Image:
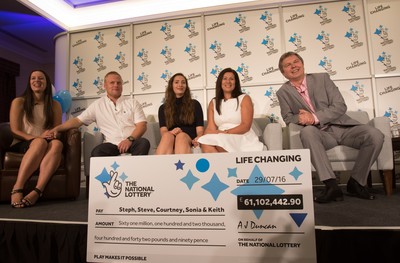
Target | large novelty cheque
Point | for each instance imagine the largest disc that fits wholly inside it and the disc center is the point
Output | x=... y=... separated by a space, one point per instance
x=200 y=208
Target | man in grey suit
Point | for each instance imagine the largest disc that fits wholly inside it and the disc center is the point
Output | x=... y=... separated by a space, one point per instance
x=314 y=101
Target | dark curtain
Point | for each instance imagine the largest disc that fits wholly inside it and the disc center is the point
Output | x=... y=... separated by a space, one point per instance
x=42 y=242
x=8 y=72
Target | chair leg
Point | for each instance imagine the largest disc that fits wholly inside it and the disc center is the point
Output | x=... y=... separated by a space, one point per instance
x=87 y=186
x=388 y=182
x=369 y=179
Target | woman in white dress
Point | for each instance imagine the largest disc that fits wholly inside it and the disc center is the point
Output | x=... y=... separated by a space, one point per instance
x=230 y=116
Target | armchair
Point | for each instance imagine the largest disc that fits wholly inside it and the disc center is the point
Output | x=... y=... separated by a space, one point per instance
x=343 y=157
x=65 y=183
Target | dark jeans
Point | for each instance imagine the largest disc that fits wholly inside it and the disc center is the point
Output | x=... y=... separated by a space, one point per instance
x=140 y=146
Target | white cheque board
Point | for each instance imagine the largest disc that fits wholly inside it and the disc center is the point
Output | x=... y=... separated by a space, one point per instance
x=202 y=208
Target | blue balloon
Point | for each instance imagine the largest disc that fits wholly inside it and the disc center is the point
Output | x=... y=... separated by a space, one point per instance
x=66 y=100
x=58 y=98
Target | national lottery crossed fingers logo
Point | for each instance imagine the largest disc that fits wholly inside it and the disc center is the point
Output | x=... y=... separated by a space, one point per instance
x=114 y=181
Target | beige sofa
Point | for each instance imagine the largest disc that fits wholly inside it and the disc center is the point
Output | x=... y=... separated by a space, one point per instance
x=269 y=133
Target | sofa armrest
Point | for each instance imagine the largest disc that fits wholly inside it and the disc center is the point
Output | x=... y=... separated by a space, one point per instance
x=89 y=142
x=72 y=151
x=6 y=139
x=385 y=158
x=294 y=136
x=272 y=136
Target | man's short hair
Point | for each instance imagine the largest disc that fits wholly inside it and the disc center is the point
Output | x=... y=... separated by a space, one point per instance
x=288 y=54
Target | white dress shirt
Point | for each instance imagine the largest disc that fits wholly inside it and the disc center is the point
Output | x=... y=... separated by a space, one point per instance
x=115 y=121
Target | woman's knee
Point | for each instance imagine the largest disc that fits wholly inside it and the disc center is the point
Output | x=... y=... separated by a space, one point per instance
x=56 y=146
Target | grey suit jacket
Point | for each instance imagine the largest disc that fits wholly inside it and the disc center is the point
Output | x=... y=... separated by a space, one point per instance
x=330 y=107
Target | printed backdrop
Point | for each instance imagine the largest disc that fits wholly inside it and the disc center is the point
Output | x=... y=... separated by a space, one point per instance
x=356 y=44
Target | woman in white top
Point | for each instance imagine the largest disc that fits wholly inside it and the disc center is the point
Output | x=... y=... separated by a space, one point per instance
x=230 y=116
x=31 y=117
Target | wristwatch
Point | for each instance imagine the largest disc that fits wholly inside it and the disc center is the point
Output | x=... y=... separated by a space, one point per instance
x=131 y=138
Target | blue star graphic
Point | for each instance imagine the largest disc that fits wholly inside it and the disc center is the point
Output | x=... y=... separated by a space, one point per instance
x=115 y=166
x=317 y=12
x=215 y=186
x=263 y=17
x=190 y=179
x=378 y=31
x=123 y=177
x=103 y=176
x=187 y=49
x=179 y=165
x=232 y=172
x=296 y=173
x=253 y=188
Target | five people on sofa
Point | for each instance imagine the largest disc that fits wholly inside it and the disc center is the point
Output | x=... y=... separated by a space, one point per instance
x=309 y=100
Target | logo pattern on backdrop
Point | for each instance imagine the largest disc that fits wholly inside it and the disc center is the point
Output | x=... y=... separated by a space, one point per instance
x=295 y=39
x=358 y=89
x=191 y=50
x=327 y=65
x=191 y=27
x=99 y=60
x=386 y=61
x=121 y=35
x=323 y=37
x=216 y=47
x=350 y=9
x=99 y=37
x=144 y=80
x=144 y=56
x=269 y=43
x=241 y=21
x=383 y=34
x=78 y=63
x=166 y=29
x=353 y=36
x=267 y=18
x=98 y=85
x=242 y=45
x=77 y=85
x=323 y=14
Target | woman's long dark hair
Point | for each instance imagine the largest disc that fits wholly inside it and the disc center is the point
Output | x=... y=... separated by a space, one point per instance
x=219 y=93
x=29 y=102
x=187 y=107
